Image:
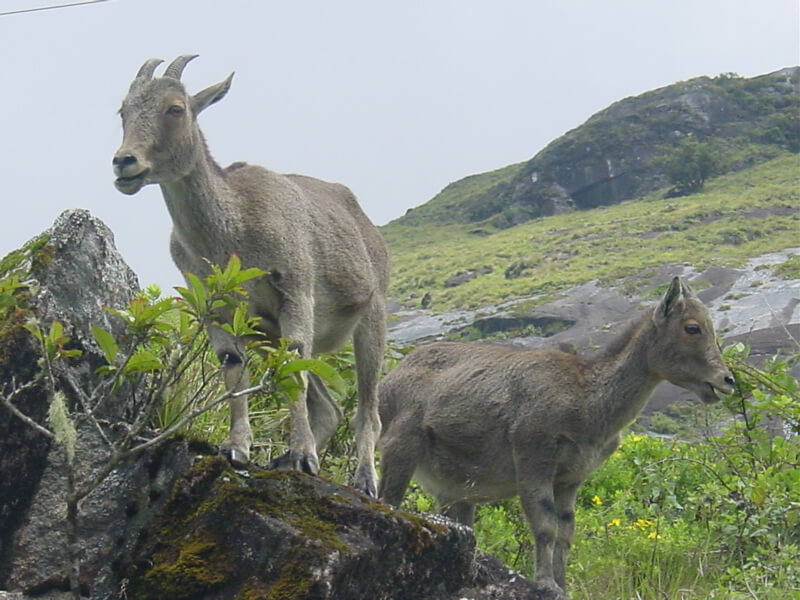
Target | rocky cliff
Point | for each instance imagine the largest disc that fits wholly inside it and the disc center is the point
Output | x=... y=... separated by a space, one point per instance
x=178 y=522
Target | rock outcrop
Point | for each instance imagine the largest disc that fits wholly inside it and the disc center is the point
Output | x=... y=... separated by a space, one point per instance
x=71 y=272
x=178 y=522
x=276 y=534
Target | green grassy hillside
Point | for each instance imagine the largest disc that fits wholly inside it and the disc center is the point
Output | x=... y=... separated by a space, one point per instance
x=448 y=204
x=736 y=216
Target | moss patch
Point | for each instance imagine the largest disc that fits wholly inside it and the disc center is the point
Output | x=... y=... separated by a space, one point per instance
x=212 y=503
x=198 y=565
x=789 y=269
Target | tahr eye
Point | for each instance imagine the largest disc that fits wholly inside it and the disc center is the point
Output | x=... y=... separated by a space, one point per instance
x=175 y=110
x=692 y=329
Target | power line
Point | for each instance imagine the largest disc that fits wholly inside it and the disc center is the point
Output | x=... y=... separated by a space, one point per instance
x=51 y=7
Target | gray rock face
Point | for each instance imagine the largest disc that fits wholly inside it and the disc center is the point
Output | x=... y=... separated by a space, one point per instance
x=276 y=534
x=73 y=271
x=110 y=518
x=85 y=274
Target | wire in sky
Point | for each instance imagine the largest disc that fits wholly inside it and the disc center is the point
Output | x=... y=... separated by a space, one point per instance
x=51 y=7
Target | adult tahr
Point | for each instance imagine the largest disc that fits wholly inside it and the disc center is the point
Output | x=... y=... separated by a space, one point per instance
x=327 y=264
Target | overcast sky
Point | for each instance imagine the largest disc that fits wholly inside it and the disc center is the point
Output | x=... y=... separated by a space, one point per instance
x=396 y=100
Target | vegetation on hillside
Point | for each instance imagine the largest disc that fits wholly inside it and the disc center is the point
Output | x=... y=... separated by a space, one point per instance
x=688 y=166
x=736 y=216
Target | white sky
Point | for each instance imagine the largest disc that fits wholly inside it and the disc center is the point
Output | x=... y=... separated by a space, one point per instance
x=395 y=100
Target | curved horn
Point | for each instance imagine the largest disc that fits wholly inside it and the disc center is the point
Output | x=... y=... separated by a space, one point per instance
x=175 y=68
x=146 y=71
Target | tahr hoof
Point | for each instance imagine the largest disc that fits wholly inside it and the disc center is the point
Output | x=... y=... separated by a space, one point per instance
x=281 y=463
x=295 y=461
x=235 y=456
x=550 y=585
x=365 y=484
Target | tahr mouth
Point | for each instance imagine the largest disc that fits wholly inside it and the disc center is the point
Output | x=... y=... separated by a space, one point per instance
x=131 y=185
x=710 y=396
x=710 y=392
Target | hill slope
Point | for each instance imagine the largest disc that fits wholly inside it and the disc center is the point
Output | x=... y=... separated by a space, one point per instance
x=614 y=156
x=737 y=216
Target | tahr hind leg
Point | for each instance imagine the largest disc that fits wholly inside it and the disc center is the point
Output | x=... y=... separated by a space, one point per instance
x=369 y=339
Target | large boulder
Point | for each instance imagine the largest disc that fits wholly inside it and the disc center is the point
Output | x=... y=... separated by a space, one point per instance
x=109 y=521
x=276 y=534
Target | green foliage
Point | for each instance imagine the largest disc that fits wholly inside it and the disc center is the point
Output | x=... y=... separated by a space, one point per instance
x=23 y=262
x=10 y=288
x=165 y=356
x=782 y=129
x=54 y=342
x=789 y=269
x=340 y=456
x=756 y=97
x=688 y=166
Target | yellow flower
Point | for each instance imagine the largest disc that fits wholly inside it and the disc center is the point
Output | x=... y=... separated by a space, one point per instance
x=615 y=522
x=643 y=523
x=637 y=438
x=654 y=536
x=597 y=500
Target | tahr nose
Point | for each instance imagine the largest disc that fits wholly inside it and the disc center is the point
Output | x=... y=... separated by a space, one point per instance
x=123 y=161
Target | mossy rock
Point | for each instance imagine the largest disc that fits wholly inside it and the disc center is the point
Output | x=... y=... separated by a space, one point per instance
x=284 y=535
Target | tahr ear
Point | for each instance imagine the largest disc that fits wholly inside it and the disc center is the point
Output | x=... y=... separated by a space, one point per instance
x=210 y=95
x=686 y=290
x=673 y=300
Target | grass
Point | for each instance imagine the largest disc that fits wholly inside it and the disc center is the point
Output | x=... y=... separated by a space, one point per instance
x=448 y=204
x=722 y=225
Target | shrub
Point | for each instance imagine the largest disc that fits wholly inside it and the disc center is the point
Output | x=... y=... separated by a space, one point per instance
x=688 y=166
